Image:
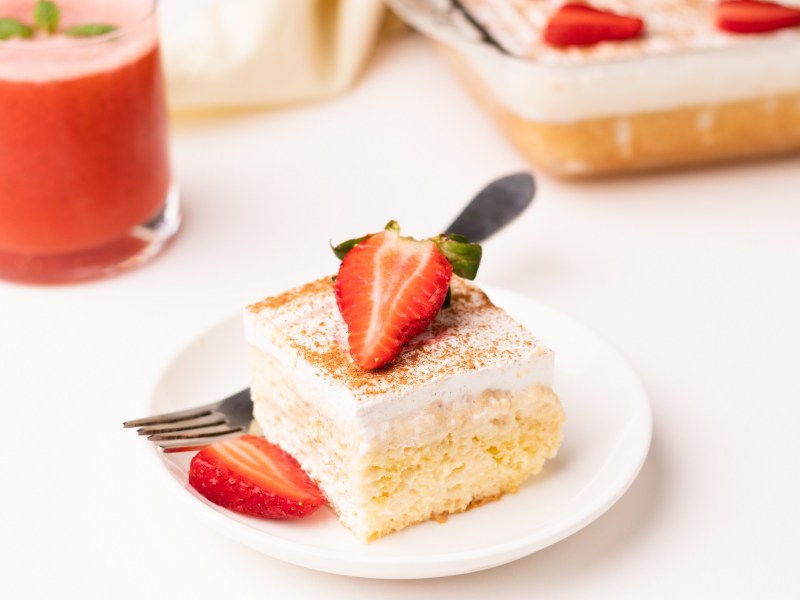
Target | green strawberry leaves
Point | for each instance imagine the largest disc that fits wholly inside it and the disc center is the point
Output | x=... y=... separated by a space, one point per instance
x=463 y=255
x=342 y=249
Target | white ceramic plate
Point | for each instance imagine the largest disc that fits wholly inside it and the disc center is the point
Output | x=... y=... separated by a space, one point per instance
x=606 y=439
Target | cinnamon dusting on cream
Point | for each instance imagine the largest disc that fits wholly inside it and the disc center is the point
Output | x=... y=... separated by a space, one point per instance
x=472 y=334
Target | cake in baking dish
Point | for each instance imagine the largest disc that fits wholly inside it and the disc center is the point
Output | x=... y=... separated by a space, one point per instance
x=690 y=88
x=463 y=415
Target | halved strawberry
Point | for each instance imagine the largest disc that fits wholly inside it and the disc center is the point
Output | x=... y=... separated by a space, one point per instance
x=389 y=288
x=753 y=16
x=583 y=25
x=252 y=476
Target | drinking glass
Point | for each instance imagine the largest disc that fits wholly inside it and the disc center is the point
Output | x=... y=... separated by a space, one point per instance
x=85 y=182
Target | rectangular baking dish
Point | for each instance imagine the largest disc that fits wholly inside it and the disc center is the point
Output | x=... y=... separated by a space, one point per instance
x=615 y=109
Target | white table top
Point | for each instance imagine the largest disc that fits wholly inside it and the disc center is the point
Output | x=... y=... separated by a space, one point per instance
x=693 y=276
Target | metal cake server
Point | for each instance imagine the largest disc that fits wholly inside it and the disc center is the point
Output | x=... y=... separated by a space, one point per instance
x=494 y=207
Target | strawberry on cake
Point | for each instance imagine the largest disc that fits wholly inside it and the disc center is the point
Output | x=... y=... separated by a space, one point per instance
x=399 y=387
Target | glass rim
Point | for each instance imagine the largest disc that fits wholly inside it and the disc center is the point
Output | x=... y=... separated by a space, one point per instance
x=149 y=12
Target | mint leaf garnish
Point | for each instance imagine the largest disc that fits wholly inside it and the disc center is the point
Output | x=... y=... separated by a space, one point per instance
x=12 y=28
x=47 y=16
x=90 y=30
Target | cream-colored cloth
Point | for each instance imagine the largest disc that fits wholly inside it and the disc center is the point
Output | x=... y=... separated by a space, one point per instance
x=223 y=54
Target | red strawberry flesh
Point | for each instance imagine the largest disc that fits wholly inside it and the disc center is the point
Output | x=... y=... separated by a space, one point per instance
x=751 y=16
x=250 y=475
x=583 y=25
x=388 y=289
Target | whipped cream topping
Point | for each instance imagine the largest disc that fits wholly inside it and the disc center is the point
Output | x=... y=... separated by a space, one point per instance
x=682 y=60
x=470 y=348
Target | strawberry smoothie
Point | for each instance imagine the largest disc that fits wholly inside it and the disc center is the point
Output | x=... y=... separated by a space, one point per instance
x=83 y=142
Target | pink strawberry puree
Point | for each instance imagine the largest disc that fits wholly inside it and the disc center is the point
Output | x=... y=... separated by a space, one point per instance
x=83 y=140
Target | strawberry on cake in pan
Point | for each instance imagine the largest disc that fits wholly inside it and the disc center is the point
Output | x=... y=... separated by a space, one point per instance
x=399 y=388
x=611 y=86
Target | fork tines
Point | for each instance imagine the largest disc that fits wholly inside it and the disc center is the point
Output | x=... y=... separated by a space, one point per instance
x=194 y=439
x=194 y=428
x=173 y=417
x=200 y=426
x=194 y=434
x=208 y=420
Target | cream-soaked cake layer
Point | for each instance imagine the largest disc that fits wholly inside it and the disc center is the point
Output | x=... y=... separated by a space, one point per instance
x=330 y=450
x=470 y=347
x=494 y=442
x=681 y=61
x=487 y=445
x=46 y=58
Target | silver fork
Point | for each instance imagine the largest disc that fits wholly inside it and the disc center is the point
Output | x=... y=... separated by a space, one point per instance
x=496 y=205
x=191 y=429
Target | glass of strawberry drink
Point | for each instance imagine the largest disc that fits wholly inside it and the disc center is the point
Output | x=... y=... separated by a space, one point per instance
x=85 y=183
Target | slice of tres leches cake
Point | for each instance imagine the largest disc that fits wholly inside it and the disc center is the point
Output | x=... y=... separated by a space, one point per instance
x=460 y=412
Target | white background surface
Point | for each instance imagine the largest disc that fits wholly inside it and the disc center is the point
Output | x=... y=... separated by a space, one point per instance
x=692 y=275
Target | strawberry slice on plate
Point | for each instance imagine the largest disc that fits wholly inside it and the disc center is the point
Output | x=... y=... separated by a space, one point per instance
x=388 y=289
x=249 y=475
x=583 y=25
x=754 y=16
